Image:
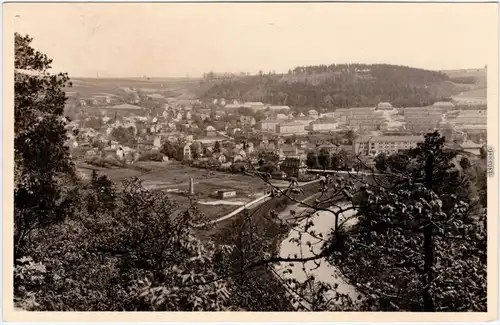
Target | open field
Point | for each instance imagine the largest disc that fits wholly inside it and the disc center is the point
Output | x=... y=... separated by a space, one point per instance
x=474 y=83
x=158 y=175
x=479 y=73
x=94 y=86
x=475 y=93
x=175 y=176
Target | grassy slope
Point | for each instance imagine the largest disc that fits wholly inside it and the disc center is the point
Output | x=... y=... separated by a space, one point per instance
x=475 y=90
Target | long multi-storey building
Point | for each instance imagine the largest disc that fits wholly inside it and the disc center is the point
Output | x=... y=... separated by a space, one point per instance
x=323 y=125
x=255 y=106
x=366 y=118
x=373 y=145
x=470 y=117
x=422 y=119
x=290 y=128
x=268 y=125
x=303 y=120
x=278 y=107
x=342 y=114
x=384 y=106
x=444 y=106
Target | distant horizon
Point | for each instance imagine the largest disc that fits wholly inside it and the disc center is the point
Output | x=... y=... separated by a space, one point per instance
x=255 y=73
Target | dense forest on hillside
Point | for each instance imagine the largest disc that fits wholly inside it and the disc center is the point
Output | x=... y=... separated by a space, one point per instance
x=333 y=86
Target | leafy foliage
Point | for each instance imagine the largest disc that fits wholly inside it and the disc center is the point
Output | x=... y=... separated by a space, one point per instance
x=324 y=158
x=143 y=258
x=40 y=156
x=151 y=156
x=420 y=242
x=268 y=168
x=196 y=150
x=217 y=147
x=312 y=160
x=101 y=196
x=125 y=136
x=170 y=149
x=269 y=157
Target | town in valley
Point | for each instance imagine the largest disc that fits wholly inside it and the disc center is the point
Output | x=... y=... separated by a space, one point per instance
x=334 y=186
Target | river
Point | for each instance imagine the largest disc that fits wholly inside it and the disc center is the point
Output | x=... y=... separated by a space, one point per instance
x=324 y=222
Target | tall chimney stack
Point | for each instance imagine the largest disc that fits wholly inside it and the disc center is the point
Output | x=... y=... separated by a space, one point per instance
x=191 y=186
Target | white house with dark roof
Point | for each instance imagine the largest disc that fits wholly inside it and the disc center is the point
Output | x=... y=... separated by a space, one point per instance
x=471 y=147
x=323 y=125
x=445 y=106
x=282 y=117
x=313 y=114
x=384 y=106
x=210 y=131
x=255 y=106
x=278 y=107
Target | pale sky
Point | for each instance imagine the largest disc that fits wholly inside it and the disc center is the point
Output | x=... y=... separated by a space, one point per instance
x=175 y=40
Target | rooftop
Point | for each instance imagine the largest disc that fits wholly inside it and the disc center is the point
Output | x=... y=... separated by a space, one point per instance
x=124 y=106
x=384 y=105
x=443 y=104
x=470 y=145
x=155 y=95
x=253 y=103
x=292 y=123
x=362 y=108
x=278 y=107
x=409 y=138
x=233 y=106
x=324 y=121
x=226 y=190
x=472 y=126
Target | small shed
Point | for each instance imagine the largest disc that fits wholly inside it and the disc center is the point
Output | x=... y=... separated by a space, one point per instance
x=226 y=193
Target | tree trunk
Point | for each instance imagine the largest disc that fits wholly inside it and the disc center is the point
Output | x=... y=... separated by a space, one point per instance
x=428 y=244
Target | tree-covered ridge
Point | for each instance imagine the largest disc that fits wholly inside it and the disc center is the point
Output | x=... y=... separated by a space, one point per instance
x=334 y=86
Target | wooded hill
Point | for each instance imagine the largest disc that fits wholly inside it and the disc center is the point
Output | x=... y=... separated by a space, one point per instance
x=334 y=86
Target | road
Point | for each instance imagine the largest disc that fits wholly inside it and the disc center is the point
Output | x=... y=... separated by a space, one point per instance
x=262 y=199
x=342 y=172
x=247 y=206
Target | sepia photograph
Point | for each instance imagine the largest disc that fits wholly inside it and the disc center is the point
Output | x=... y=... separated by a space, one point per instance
x=251 y=157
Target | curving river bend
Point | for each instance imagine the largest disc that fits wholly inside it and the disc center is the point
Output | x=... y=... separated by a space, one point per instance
x=324 y=222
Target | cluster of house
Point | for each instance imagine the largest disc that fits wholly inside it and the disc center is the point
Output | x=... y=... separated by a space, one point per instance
x=176 y=122
x=89 y=143
x=255 y=106
x=101 y=99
